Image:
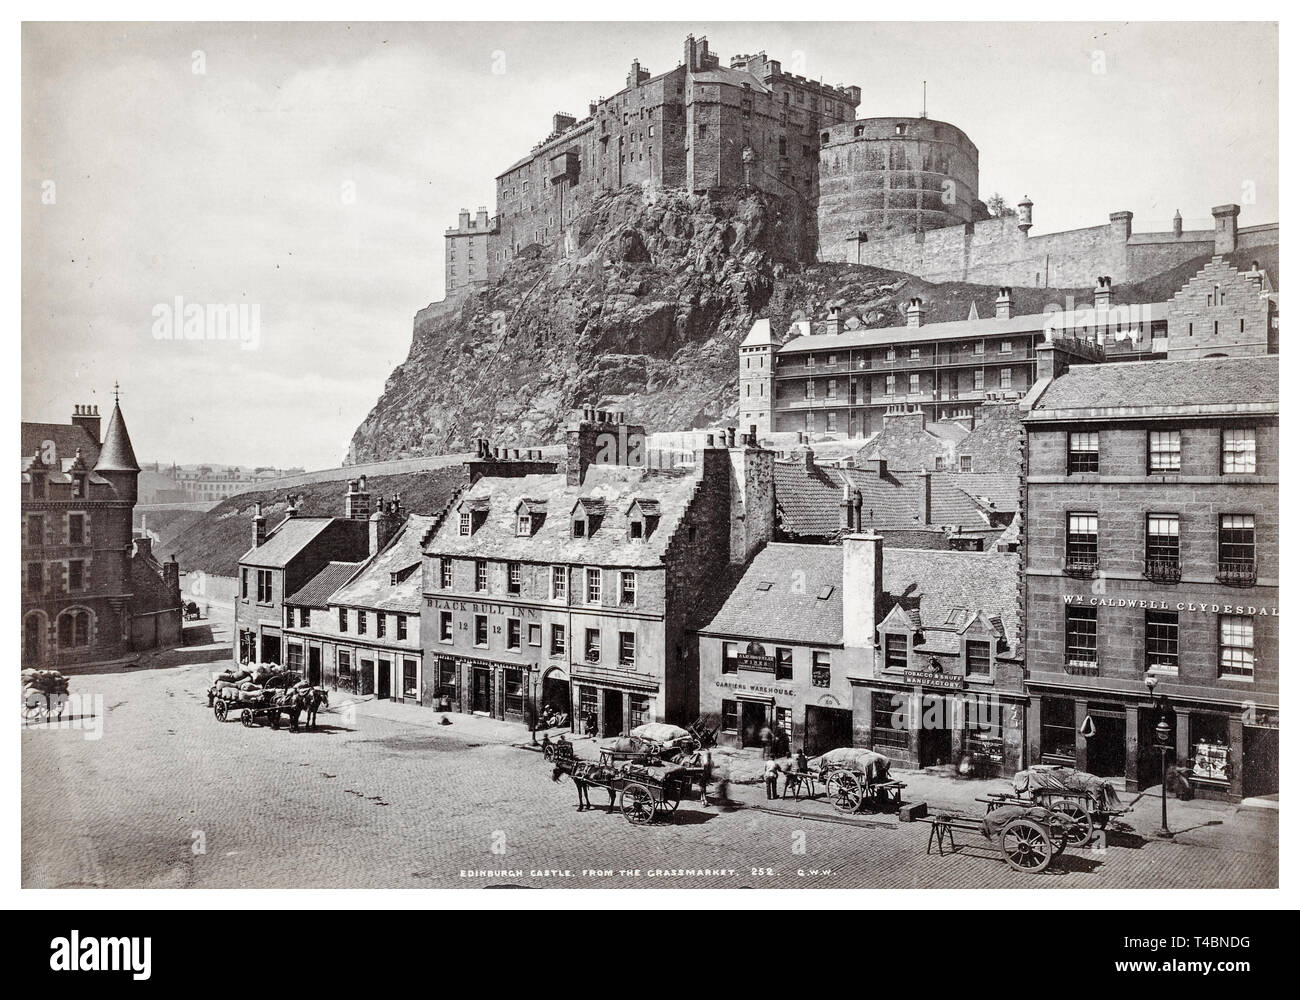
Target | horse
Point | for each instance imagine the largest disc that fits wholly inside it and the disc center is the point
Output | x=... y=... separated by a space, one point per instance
x=312 y=700
x=584 y=775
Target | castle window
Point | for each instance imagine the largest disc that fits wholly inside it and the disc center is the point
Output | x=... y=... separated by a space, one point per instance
x=76 y=575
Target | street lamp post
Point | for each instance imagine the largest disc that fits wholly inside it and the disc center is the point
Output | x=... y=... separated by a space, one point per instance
x=1163 y=730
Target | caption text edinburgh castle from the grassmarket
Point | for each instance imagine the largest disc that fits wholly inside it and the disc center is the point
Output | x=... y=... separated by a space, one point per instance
x=758 y=467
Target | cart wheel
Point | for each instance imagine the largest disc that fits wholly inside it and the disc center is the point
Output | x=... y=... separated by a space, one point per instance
x=548 y=753
x=637 y=803
x=846 y=791
x=219 y=710
x=1077 y=822
x=1026 y=845
x=246 y=717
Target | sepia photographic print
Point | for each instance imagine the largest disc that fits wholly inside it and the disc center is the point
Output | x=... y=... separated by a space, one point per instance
x=616 y=455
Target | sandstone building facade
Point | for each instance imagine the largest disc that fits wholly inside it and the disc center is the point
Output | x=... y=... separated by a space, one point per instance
x=90 y=592
x=1151 y=578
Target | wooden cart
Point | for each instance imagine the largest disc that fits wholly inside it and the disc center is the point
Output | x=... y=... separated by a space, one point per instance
x=1027 y=841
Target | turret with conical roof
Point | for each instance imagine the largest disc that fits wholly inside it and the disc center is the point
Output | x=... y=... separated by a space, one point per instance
x=117 y=461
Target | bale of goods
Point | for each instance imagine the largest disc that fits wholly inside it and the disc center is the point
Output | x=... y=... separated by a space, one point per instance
x=45 y=681
x=250 y=694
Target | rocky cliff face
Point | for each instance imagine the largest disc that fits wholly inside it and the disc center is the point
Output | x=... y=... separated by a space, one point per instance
x=644 y=315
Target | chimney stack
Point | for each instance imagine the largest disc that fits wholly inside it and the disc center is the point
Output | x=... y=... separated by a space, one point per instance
x=86 y=416
x=1002 y=308
x=259 y=525
x=863 y=587
x=1101 y=298
x=356 y=505
x=834 y=322
x=915 y=312
x=384 y=523
x=923 y=499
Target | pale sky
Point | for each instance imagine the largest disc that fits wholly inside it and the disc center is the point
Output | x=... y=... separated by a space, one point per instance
x=311 y=170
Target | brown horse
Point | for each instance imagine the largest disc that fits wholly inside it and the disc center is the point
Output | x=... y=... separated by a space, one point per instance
x=584 y=775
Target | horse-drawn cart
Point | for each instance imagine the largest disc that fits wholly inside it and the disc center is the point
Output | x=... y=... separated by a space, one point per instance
x=857 y=780
x=1027 y=837
x=643 y=791
x=1084 y=802
x=651 y=743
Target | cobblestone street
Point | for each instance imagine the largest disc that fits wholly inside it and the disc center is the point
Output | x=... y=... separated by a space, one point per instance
x=383 y=796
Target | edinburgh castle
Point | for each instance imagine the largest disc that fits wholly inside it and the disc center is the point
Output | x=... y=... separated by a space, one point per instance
x=892 y=192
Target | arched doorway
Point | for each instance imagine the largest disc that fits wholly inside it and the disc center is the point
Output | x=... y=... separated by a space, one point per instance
x=555 y=692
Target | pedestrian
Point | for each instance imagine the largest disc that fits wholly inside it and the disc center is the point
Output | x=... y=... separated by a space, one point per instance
x=770 y=771
x=765 y=737
x=706 y=774
x=801 y=762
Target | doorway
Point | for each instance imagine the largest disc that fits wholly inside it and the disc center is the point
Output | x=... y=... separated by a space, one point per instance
x=1258 y=761
x=934 y=745
x=313 y=666
x=32 y=639
x=826 y=729
x=481 y=691
x=1106 y=746
x=366 y=677
x=384 y=680
x=753 y=720
x=613 y=713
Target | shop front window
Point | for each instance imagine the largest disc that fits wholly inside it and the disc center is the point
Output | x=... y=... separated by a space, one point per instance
x=1058 y=730
x=514 y=678
x=730 y=716
x=888 y=722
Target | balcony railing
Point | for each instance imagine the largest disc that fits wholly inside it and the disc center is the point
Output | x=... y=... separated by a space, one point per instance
x=1164 y=570
x=1081 y=668
x=1238 y=574
x=1080 y=565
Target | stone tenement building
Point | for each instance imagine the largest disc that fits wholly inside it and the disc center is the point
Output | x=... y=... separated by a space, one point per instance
x=90 y=592
x=579 y=589
x=1151 y=535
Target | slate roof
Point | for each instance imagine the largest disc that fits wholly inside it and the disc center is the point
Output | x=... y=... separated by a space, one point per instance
x=614 y=487
x=373 y=587
x=67 y=439
x=317 y=591
x=285 y=542
x=116 y=453
x=809 y=500
x=1221 y=383
x=778 y=612
x=760 y=334
x=961 y=329
x=928 y=585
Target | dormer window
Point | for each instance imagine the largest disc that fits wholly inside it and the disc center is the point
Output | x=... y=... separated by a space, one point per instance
x=473 y=513
x=529 y=516
x=642 y=518
x=586 y=516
